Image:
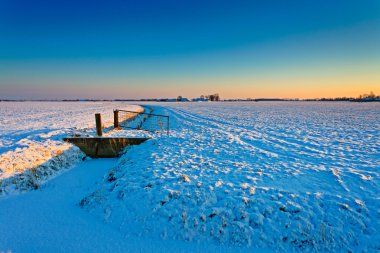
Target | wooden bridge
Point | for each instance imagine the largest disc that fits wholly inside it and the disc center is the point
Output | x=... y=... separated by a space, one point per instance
x=111 y=146
x=103 y=146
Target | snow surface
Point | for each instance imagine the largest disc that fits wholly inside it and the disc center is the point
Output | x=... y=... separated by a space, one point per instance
x=230 y=177
x=286 y=176
x=51 y=220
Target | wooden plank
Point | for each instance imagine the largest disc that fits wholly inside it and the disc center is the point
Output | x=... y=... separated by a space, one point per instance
x=103 y=146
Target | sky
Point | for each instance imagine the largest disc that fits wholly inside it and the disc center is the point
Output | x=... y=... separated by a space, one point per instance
x=160 y=49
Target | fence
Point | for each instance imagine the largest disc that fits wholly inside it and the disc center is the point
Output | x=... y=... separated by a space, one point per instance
x=141 y=121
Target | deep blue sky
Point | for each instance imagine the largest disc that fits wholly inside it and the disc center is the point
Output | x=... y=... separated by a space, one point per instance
x=162 y=48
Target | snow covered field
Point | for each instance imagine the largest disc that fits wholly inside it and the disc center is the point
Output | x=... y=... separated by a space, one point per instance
x=281 y=176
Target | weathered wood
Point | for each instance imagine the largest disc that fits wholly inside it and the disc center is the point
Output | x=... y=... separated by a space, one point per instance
x=103 y=146
x=98 y=120
x=116 y=119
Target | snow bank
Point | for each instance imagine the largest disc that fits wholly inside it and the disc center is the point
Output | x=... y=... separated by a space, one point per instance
x=27 y=168
x=285 y=176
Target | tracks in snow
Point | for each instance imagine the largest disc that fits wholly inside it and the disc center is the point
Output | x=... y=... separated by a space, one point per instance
x=279 y=151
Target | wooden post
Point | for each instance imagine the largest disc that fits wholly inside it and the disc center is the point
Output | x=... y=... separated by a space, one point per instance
x=168 y=126
x=116 y=118
x=98 y=120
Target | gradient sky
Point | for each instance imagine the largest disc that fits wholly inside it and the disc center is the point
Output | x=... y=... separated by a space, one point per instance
x=144 y=49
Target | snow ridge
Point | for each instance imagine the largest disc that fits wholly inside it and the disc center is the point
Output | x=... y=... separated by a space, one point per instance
x=42 y=162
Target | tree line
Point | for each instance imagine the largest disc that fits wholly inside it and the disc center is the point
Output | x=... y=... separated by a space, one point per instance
x=212 y=97
x=370 y=95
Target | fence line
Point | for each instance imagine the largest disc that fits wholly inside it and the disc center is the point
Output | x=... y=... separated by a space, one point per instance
x=141 y=121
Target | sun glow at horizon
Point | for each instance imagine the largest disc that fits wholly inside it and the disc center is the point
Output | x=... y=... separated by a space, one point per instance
x=230 y=49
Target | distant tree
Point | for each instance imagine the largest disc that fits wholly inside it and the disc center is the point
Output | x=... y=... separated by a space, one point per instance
x=372 y=95
x=216 y=97
x=202 y=96
x=179 y=98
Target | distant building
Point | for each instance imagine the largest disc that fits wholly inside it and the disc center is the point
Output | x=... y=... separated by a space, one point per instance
x=199 y=100
x=173 y=100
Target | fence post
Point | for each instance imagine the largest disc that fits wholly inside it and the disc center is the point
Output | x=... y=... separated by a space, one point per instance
x=98 y=120
x=116 y=118
x=168 y=126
